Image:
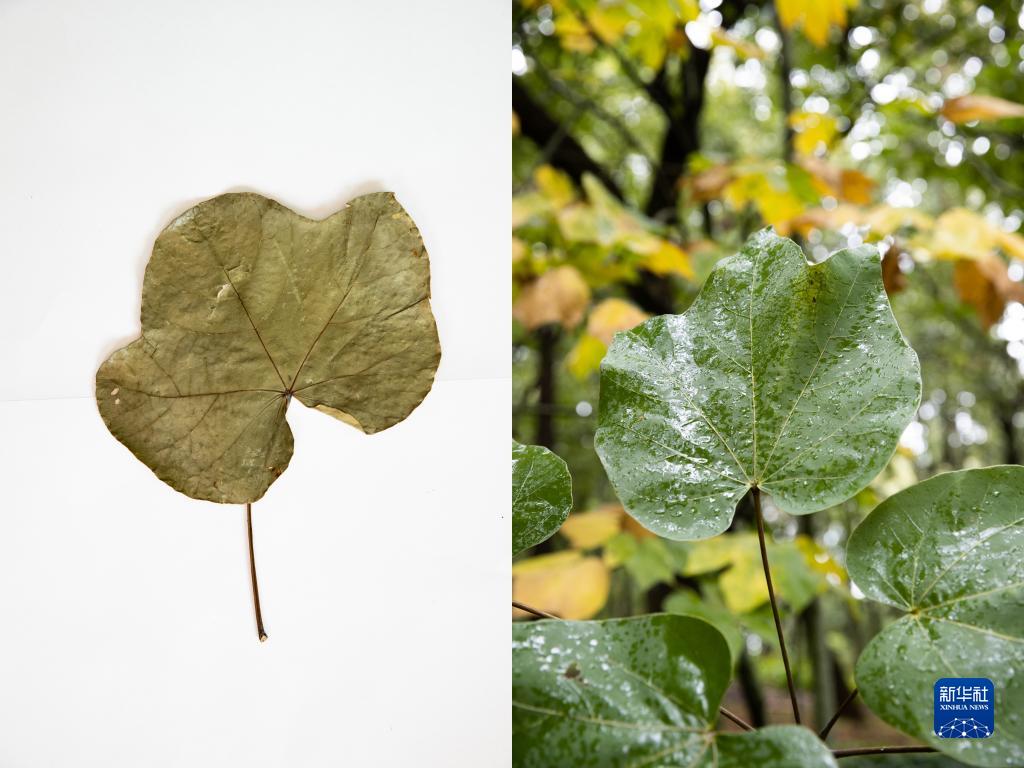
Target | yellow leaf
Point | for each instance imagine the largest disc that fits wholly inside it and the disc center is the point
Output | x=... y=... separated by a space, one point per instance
x=825 y=219
x=814 y=132
x=1011 y=243
x=738 y=557
x=965 y=109
x=709 y=183
x=541 y=564
x=585 y=357
x=518 y=250
x=669 y=259
x=567 y=584
x=893 y=278
x=572 y=33
x=815 y=16
x=778 y=207
x=587 y=530
x=883 y=220
x=580 y=223
x=844 y=183
x=855 y=187
x=558 y=296
x=611 y=316
x=985 y=285
x=961 y=234
x=775 y=206
x=555 y=185
x=526 y=206
x=744 y=48
x=515 y=123
x=610 y=22
x=819 y=559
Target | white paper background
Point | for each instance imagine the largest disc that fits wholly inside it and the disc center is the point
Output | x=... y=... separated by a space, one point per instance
x=126 y=628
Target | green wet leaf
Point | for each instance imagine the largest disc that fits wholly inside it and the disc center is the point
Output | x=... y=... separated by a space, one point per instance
x=541 y=495
x=635 y=692
x=785 y=375
x=950 y=552
x=247 y=304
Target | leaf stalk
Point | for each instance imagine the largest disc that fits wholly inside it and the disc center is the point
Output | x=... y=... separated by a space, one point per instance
x=839 y=753
x=252 y=570
x=823 y=734
x=756 y=493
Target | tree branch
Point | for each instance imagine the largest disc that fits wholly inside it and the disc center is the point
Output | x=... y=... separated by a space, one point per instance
x=736 y=719
x=534 y=611
x=840 y=753
x=835 y=718
x=536 y=124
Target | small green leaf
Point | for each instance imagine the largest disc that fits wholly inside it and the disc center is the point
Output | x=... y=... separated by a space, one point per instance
x=652 y=563
x=777 y=746
x=950 y=552
x=541 y=495
x=687 y=603
x=785 y=375
x=247 y=305
x=635 y=692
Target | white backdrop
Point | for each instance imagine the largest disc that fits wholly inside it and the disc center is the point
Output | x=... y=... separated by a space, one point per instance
x=126 y=629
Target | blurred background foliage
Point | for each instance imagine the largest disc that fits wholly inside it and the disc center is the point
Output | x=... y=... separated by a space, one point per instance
x=649 y=139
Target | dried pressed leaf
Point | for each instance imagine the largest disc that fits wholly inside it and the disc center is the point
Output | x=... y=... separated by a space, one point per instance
x=245 y=305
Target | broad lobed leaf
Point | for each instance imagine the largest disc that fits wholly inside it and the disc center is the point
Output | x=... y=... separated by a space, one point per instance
x=635 y=692
x=786 y=375
x=246 y=304
x=950 y=552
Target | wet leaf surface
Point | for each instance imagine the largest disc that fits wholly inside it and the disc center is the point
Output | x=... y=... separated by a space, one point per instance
x=781 y=374
x=950 y=552
x=247 y=304
x=541 y=495
x=635 y=692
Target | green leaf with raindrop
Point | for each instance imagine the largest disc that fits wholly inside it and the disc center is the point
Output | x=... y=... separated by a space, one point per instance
x=541 y=495
x=790 y=376
x=643 y=691
x=949 y=552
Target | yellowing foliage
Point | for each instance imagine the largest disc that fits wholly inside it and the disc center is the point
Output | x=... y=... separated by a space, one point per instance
x=568 y=584
x=775 y=205
x=587 y=530
x=815 y=17
x=814 y=132
x=965 y=109
x=984 y=284
x=611 y=316
x=559 y=296
x=606 y=319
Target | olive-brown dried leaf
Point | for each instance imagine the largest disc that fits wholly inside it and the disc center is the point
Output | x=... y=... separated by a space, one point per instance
x=246 y=304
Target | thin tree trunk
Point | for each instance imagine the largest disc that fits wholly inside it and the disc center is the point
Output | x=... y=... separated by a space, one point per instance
x=750 y=687
x=547 y=342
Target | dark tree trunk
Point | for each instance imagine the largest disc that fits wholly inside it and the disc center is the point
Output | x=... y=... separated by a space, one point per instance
x=536 y=124
x=682 y=136
x=547 y=343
